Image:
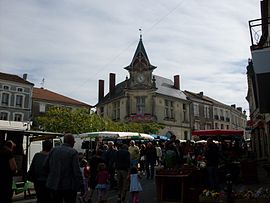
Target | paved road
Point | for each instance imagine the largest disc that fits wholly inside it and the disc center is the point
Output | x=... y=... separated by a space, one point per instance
x=148 y=195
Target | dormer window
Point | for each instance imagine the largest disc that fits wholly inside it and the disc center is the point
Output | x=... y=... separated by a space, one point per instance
x=19 y=89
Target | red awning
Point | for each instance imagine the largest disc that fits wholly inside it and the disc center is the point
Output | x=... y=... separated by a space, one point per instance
x=217 y=132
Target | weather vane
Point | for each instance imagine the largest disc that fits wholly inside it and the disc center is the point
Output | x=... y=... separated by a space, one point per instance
x=140 y=33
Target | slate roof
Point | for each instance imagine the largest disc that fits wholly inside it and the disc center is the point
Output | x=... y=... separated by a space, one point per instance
x=49 y=96
x=140 y=51
x=164 y=87
x=197 y=95
x=118 y=92
x=14 y=78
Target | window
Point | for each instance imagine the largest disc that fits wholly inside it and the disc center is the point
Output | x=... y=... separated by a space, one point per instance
x=3 y=116
x=19 y=101
x=140 y=105
x=206 y=112
x=216 y=126
x=196 y=109
x=5 y=99
x=185 y=118
x=196 y=125
x=116 y=110
x=6 y=87
x=18 y=117
x=221 y=126
x=185 y=135
x=207 y=126
x=42 y=107
x=169 y=110
x=19 y=89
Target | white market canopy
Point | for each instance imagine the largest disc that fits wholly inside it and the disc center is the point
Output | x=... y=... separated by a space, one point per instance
x=115 y=135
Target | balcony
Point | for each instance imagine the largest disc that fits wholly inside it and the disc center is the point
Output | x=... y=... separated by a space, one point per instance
x=259 y=66
x=259 y=33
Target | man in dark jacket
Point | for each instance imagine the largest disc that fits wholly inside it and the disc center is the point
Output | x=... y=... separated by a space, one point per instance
x=110 y=158
x=212 y=160
x=8 y=168
x=64 y=175
x=38 y=175
x=151 y=158
x=122 y=166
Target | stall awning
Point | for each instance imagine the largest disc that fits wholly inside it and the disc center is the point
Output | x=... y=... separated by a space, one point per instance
x=217 y=132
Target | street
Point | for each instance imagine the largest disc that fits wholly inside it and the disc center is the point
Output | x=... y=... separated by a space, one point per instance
x=146 y=196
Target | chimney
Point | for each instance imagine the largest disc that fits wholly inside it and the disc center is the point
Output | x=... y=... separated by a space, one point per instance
x=200 y=94
x=177 y=82
x=112 y=82
x=25 y=76
x=233 y=105
x=100 y=89
x=239 y=109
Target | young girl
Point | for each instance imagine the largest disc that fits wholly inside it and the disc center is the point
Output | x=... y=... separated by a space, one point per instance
x=135 y=185
x=85 y=170
x=102 y=183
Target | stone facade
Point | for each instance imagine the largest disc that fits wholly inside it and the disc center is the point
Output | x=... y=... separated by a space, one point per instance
x=144 y=97
x=15 y=99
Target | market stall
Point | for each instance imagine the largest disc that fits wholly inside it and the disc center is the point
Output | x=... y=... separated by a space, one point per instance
x=180 y=185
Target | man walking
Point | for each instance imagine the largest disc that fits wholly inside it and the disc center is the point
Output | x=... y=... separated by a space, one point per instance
x=37 y=175
x=122 y=167
x=134 y=153
x=7 y=169
x=64 y=175
x=110 y=161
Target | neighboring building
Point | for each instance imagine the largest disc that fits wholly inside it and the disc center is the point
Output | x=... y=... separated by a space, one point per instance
x=144 y=97
x=43 y=99
x=258 y=79
x=208 y=113
x=15 y=101
x=201 y=111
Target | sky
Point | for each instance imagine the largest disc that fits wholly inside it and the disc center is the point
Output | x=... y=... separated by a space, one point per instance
x=74 y=43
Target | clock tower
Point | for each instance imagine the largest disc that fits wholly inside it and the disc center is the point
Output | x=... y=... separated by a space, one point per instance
x=140 y=70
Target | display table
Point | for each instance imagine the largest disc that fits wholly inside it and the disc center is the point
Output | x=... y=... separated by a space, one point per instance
x=175 y=185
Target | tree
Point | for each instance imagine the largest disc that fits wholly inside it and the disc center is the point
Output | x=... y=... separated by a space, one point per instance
x=76 y=121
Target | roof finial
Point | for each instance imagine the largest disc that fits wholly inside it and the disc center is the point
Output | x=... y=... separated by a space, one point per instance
x=140 y=33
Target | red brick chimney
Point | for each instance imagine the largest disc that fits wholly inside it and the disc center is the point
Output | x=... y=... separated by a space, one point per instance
x=177 y=82
x=112 y=82
x=100 y=89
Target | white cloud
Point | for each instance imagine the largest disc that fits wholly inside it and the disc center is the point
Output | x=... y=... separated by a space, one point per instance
x=73 y=43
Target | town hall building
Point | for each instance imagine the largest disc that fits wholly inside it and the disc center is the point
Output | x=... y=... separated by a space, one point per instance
x=145 y=97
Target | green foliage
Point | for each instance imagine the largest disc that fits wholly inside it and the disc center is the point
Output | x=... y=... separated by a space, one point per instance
x=66 y=120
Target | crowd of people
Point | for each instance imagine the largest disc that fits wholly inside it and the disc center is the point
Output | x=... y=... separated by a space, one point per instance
x=61 y=173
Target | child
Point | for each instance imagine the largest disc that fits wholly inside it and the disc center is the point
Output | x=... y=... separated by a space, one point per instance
x=102 y=183
x=85 y=170
x=135 y=185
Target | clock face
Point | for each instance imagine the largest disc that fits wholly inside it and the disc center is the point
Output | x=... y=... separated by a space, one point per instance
x=140 y=78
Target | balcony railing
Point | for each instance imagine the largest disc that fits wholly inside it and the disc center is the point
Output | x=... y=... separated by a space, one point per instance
x=259 y=33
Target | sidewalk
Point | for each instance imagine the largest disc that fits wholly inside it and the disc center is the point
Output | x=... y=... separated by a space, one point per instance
x=262 y=176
